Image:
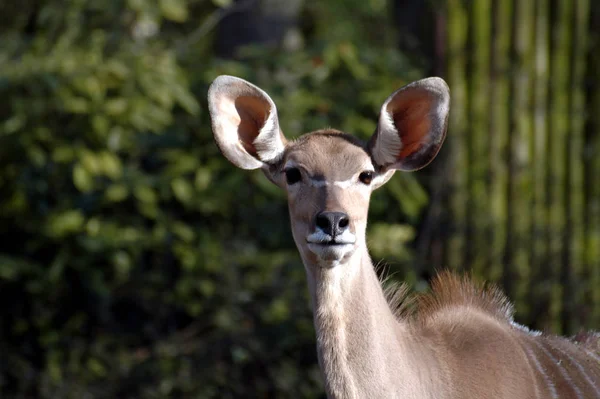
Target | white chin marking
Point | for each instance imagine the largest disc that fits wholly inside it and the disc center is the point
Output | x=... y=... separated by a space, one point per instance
x=331 y=253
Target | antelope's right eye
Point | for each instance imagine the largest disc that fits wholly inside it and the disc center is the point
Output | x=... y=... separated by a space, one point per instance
x=366 y=177
x=293 y=175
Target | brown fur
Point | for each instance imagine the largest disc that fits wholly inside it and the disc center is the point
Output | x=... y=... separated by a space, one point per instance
x=472 y=324
x=450 y=290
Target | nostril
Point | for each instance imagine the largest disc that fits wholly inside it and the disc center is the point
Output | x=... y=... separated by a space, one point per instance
x=322 y=222
x=343 y=223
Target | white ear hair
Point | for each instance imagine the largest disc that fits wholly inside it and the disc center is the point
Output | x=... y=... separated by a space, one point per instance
x=388 y=144
x=269 y=144
x=245 y=123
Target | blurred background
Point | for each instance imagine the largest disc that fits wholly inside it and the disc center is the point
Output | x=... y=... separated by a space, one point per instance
x=136 y=262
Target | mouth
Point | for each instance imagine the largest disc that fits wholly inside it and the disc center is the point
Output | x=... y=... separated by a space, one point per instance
x=331 y=249
x=330 y=243
x=327 y=240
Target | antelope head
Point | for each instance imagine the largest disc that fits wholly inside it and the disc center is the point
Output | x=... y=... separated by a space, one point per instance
x=329 y=175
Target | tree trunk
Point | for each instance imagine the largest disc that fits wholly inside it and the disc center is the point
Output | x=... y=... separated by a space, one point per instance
x=499 y=134
x=478 y=155
x=574 y=198
x=517 y=271
x=524 y=202
x=457 y=50
x=539 y=294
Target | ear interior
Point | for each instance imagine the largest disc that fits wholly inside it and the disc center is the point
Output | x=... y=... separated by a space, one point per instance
x=245 y=123
x=251 y=118
x=412 y=125
x=410 y=114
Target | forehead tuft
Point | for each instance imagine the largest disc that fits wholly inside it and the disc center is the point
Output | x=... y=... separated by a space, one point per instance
x=329 y=153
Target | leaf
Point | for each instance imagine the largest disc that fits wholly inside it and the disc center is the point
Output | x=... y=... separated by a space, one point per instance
x=76 y=105
x=183 y=231
x=175 y=10
x=203 y=179
x=117 y=68
x=13 y=124
x=145 y=194
x=122 y=264
x=116 y=193
x=277 y=312
x=101 y=124
x=90 y=162
x=63 y=154
x=389 y=240
x=111 y=165
x=64 y=223
x=12 y=268
x=186 y=100
x=222 y=3
x=116 y=106
x=82 y=179
x=182 y=190
x=96 y=367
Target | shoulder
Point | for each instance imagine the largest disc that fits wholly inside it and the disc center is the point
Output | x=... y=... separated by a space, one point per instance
x=454 y=294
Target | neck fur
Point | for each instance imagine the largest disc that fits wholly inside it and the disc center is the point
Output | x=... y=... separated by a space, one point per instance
x=357 y=332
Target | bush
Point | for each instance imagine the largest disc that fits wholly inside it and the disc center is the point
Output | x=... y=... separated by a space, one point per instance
x=137 y=262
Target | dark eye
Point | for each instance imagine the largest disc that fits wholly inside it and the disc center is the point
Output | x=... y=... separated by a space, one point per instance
x=293 y=175
x=366 y=177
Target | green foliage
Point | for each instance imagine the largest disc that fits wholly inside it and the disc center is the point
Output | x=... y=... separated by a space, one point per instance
x=135 y=261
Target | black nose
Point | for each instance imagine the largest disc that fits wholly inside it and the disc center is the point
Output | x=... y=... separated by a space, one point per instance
x=332 y=223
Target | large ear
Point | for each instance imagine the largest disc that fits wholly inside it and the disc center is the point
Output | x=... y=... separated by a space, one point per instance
x=412 y=125
x=245 y=123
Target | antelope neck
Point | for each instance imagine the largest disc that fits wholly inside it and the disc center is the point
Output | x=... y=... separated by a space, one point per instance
x=357 y=333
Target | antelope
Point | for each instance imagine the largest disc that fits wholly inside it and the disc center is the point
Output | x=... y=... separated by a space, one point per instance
x=457 y=341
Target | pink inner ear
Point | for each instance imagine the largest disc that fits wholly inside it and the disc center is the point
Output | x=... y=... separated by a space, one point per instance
x=411 y=115
x=253 y=112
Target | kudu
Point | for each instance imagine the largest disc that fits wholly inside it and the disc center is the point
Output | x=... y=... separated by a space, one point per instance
x=459 y=341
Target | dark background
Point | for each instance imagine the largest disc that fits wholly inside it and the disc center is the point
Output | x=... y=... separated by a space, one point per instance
x=136 y=262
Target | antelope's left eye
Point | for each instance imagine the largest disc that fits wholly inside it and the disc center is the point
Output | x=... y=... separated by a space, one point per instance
x=366 y=177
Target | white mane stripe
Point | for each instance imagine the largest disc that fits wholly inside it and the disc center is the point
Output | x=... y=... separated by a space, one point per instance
x=581 y=371
x=593 y=355
x=561 y=368
x=541 y=370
